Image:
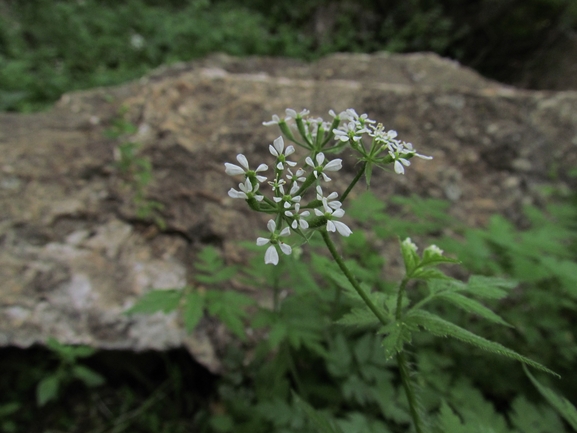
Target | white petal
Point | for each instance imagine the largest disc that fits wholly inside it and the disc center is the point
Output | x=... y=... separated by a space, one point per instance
x=242 y=160
x=309 y=161
x=304 y=224
x=237 y=194
x=271 y=256
x=325 y=177
x=285 y=232
x=278 y=144
x=342 y=228
x=334 y=165
x=277 y=199
x=291 y=163
x=338 y=213
x=275 y=121
x=294 y=224
x=318 y=212
x=272 y=150
x=306 y=213
x=262 y=167
x=261 y=178
x=330 y=226
x=280 y=166
x=290 y=150
x=399 y=169
x=332 y=195
x=423 y=156
x=262 y=241
x=320 y=158
x=232 y=169
x=294 y=189
x=405 y=162
x=291 y=113
x=271 y=225
x=285 y=248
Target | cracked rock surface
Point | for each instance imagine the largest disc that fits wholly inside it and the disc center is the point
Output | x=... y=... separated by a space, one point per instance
x=74 y=253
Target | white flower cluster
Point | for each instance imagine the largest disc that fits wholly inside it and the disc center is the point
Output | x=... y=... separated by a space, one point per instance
x=288 y=187
x=286 y=202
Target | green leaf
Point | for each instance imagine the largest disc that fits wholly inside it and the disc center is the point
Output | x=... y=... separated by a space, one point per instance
x=157 y=300
x=427 y=274
x=449 y=421
x=527 y=417
x=561 y=404
x=441 y=328
x=8 y=409
x=193 y=310
x=322 y=423
x=47 y=389
x=229 y=308
x=490 y=287
x=399 y=333
x=360 y=317
x=86 y=375
x=472 y=306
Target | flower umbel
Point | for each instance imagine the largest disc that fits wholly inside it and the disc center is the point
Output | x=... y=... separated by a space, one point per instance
x=271 y=255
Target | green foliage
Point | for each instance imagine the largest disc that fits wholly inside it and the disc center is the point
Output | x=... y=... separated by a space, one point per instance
x=192 y=301
x=561 y=404
x=48 y=389
x=48 y=47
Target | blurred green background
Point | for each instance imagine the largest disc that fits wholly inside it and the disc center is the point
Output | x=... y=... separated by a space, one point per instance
x=48 y=47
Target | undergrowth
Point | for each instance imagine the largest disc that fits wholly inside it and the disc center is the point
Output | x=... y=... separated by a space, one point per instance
x=341 y=372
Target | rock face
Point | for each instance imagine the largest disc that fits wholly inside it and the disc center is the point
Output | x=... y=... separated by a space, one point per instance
x=75 y=254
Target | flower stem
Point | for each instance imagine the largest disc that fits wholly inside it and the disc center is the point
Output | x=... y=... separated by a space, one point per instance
x=331 y=246
x=353 y=183
x=409 y=390
x=401 y=358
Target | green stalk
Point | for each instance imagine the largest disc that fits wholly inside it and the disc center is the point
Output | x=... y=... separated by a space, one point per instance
x=352 y=279
x=401 y=359
x=409 y=390
x=353 y=183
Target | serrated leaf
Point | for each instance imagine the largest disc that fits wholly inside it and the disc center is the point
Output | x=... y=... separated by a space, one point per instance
x=427 y=274
x=157 y=300
x=321 y=422
x=437 y=260
x=527 y=417
x=399 y=333
x=561 y=404
x=47 y=390
x=229 y=308
x=360 y=318
x=86 y=375
x=490 y=287
x=472 y=306
x=441 y=285
x=193 y=310
x=442 y=328
x=449 y=421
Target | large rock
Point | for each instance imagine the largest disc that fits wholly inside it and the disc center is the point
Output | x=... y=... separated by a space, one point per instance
x=75 y=255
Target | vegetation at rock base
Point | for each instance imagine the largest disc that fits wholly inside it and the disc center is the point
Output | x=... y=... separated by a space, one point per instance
x=48 y=47
x=340 y=373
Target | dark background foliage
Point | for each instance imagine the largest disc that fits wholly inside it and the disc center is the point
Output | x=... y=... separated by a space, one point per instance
x=48 y=47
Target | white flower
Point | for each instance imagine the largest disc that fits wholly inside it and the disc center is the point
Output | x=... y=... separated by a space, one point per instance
x=293 y=114
x=275 y=121
x=399 y=162
x=332 y=224
x=334 y=165
x=271 y=255
x=246 y=191
x=409 y=243
x=277 y=148
x=297 y=177
x=233 y=170
x=434 y=250
x=329 y=200
x=298 y=218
